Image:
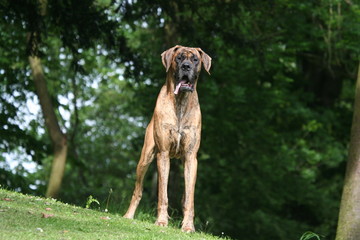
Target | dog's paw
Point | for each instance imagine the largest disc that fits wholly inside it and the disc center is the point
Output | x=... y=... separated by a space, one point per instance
x=161 y=223
x=128 y=216
x=188 y=228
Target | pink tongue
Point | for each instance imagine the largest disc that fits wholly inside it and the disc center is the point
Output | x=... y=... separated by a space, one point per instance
x=178 y=87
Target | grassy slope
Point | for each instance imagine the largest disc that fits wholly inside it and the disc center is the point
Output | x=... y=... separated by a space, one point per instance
x=22 y=217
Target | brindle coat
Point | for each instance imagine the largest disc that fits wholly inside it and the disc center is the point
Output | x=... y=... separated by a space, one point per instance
x=174 y=131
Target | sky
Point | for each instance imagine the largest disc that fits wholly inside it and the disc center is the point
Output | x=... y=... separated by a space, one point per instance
x=26 y=113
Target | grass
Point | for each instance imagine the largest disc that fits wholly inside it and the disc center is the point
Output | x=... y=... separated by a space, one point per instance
x=30 y=217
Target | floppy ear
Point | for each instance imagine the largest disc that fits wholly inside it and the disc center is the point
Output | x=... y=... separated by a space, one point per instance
x=166 y=57
x=205 y=59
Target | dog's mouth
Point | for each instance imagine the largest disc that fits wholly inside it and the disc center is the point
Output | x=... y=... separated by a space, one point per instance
x=184 y=85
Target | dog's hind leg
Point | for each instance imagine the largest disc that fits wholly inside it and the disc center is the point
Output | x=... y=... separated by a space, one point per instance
x=147 y=156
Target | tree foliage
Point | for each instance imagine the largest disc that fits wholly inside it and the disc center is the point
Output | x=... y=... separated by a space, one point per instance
x=276 y=108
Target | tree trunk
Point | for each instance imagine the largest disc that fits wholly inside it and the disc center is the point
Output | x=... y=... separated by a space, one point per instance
x=57 y=137
x=349 y=216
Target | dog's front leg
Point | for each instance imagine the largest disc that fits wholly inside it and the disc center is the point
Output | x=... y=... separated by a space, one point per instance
x=163 y=164
x=190 y=169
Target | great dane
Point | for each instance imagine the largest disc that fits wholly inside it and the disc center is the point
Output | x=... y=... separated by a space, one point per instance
x=174 y=131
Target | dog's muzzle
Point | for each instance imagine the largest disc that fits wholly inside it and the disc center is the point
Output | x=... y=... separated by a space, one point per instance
x=185 y=79
x=184 y=86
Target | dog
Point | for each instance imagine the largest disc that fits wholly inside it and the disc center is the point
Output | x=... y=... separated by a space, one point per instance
x=174 y=132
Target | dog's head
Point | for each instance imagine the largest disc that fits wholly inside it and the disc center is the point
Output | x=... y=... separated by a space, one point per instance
x=185 y=63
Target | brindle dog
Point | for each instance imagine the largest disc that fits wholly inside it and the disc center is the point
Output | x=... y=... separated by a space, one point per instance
x=174 y=131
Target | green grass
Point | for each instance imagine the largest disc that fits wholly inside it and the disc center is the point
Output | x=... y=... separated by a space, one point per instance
x=22 y=217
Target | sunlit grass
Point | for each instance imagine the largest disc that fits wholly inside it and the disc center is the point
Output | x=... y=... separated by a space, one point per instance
x=30 y=217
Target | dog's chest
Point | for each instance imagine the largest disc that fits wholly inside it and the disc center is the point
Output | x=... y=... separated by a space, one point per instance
x=183 y=141
x=177 y=124
x=176 y=135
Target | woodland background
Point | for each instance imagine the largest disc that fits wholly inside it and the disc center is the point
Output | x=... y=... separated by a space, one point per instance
x=277 y=107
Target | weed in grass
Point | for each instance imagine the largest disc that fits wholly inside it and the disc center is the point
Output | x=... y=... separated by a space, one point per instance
x=108 y=200
x=310 y=236
x=91 y=200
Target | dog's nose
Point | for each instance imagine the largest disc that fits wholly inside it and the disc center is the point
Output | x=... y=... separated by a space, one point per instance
x=185 y=66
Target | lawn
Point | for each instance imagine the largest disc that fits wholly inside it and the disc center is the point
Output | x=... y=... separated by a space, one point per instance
x=31 y=217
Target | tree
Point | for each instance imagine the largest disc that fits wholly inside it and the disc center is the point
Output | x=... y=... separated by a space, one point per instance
x=275 y=107
x=58 y=138
x=273 y=144
x=349 y=216
x=38 y=19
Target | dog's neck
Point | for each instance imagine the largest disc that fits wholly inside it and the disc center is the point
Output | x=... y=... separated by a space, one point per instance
x=185 y=103
x=183 y=100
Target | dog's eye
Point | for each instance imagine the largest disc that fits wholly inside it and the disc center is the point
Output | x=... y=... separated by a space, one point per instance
x=178 y=58
x=195 y=59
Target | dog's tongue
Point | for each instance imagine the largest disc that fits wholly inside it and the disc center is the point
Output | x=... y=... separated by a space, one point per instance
x=177 y=88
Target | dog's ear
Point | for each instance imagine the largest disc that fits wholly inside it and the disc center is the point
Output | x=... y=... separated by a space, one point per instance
x=166 y=56
x=205 y=59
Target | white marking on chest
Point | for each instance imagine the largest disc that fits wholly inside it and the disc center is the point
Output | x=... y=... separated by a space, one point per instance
x=179 y=131
x=180 y=114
